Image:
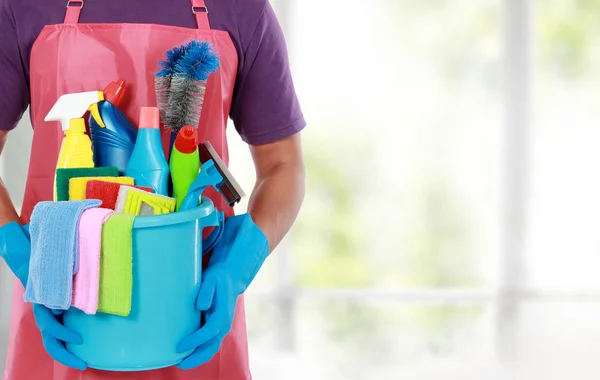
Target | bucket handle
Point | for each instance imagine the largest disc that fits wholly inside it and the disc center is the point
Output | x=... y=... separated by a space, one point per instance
x=211 y=241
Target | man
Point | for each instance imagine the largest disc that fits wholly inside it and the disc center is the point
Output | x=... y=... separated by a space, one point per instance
x=94 y=42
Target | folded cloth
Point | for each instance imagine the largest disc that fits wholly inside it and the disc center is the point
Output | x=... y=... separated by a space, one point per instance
x=107 y=192
x=116 y=267
x=64 y=175
x=87 y=282
x=77 y=186
x=129 y=201
x=53 y=228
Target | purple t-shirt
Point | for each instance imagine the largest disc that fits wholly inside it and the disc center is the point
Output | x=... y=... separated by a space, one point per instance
x=263 y=83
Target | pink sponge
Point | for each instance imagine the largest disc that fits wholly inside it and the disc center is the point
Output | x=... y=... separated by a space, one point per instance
x=106 y=192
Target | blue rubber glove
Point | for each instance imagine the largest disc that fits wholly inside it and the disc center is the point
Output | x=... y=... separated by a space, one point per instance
x=234 y=263
x=15 y=249
x=55 y=335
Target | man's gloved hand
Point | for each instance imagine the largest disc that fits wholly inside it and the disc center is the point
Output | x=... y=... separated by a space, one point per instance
x=234 y=263
x=55 y=335
x=15 y=249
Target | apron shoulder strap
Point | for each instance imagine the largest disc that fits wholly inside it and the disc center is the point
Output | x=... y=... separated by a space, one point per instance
x=73 y=11
x=199 y=10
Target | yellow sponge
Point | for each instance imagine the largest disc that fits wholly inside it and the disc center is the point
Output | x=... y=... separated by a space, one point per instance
x=77 y=186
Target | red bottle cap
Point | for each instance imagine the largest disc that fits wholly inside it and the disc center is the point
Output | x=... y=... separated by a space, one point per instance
x=187 y=140
x=149 y=118
x=114 y=92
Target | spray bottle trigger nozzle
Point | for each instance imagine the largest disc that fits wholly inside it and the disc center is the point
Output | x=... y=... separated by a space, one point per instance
x=208 y=176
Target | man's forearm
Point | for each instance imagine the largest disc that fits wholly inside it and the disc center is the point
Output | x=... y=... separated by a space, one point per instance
x=276 y=200
x=7 y=209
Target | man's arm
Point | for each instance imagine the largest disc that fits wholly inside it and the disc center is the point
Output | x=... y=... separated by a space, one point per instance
x=279 y=190
x=7 y=209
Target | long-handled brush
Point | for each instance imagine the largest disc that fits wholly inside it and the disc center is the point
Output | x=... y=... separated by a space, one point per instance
x=181 y=85
x=185 y=72
x=188 y=84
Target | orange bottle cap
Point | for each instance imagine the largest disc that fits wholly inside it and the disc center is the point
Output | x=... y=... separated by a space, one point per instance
x=114 y=92
x=186 y=141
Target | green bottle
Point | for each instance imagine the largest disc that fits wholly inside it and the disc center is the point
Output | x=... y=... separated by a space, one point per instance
x=184 y=162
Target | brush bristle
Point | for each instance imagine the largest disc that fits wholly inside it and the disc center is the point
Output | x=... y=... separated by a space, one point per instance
x=185 y=105
x=162 y=79
x=162 y=88
x=168 y=64
x=198 y=63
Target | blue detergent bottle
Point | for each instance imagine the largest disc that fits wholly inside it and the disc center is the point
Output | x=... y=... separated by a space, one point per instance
x=148 y=165
x=113 y=136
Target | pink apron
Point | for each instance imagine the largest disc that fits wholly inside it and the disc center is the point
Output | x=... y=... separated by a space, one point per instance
x=73 y=57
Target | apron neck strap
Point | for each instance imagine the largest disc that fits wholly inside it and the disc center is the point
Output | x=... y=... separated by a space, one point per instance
x=73 y=11
x=201 y=12
x=198 y=9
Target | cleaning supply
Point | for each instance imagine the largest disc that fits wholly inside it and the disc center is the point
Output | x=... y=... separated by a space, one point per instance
x=115 y=92
x=76 y=146
x=106 y=192
x=121 y=203
x=86 y=282
x=54 y=249
x=184 y=162
x=130 y=201
x=228 y=187
x=127 y=200
x=63 y=176
x=15 y=249
x=113 y=136
x=181 y=84
x=77 y=186
x=213 y=173
x=188 y=84
x=116 y=268
x=148 y=165
x=208 y=176
x=167 y=262
x=233 y=265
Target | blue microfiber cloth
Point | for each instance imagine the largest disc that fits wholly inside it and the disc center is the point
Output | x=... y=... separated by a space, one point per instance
x=54 y=228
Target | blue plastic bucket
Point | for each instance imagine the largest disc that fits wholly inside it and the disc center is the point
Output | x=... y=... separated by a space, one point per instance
x=167 y=272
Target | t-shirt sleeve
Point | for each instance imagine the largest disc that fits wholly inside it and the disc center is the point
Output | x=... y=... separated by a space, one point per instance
x=265 y=106
x=14 y=90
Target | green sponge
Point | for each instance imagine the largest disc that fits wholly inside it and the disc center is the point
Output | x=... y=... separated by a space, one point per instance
x=64 y=175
